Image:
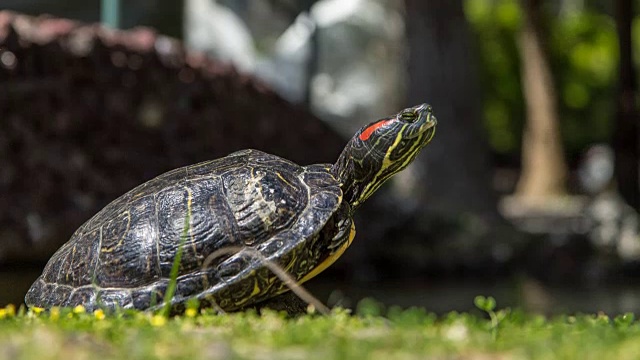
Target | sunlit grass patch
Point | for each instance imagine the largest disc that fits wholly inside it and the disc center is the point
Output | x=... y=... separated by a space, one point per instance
x=373 y=332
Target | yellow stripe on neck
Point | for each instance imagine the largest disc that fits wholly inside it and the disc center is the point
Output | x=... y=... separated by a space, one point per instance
x=331 y=258
x=371 y=187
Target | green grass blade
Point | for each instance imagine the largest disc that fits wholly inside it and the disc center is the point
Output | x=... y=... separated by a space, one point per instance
x=175 y=267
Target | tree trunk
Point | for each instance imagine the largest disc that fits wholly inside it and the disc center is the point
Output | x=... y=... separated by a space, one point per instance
x=543 y=165
x=444 y=212
x=625 y=139
x=442 y=72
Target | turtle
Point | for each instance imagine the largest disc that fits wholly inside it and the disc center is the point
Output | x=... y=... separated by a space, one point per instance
x=266 y=207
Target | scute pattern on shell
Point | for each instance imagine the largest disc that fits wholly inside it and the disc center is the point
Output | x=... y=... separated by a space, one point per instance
x=122 y=256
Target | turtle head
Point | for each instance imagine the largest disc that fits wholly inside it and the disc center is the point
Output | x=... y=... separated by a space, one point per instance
x=381 y=149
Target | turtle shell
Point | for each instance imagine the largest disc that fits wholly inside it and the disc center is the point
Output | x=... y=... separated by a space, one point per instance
x=270 y=207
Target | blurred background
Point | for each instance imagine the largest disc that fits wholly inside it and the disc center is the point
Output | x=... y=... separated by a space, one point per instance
x=529 y=191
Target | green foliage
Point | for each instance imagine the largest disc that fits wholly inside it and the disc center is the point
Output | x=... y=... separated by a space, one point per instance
x=496 y=24
x=488 y=305
x=63 y=333
x=583 y=54
x=369 y=307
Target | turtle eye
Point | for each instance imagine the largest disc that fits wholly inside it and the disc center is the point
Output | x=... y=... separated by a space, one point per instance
x=409 y=116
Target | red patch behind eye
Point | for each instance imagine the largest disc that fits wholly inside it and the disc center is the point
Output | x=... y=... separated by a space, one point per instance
x=366 y=134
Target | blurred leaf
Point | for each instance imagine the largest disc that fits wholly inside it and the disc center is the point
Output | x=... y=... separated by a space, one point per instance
x=487 y=304
x=576 y=95
x=508 y=14
x=583 y=54
x=369 y=307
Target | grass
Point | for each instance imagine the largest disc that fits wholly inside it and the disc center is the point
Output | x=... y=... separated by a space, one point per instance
x=72 y=333
x=399 y=334
x=175 y=267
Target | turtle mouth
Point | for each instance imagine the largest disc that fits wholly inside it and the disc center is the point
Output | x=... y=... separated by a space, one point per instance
x=426 y=123
x=428 y=129
x=431 y=122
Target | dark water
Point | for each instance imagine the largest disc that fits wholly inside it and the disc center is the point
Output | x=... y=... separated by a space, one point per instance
x=439 y=297
x=449 y=296
x=14 y=284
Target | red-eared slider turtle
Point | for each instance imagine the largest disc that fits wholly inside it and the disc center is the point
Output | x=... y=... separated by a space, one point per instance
x=299 y=217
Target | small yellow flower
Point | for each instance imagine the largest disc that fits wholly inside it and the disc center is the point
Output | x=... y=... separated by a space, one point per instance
x=158 y=320
x=3 y=313
x=99 y=314
x=54 y=313
x=191 y=312
x=79 y=309
x=37 y=310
